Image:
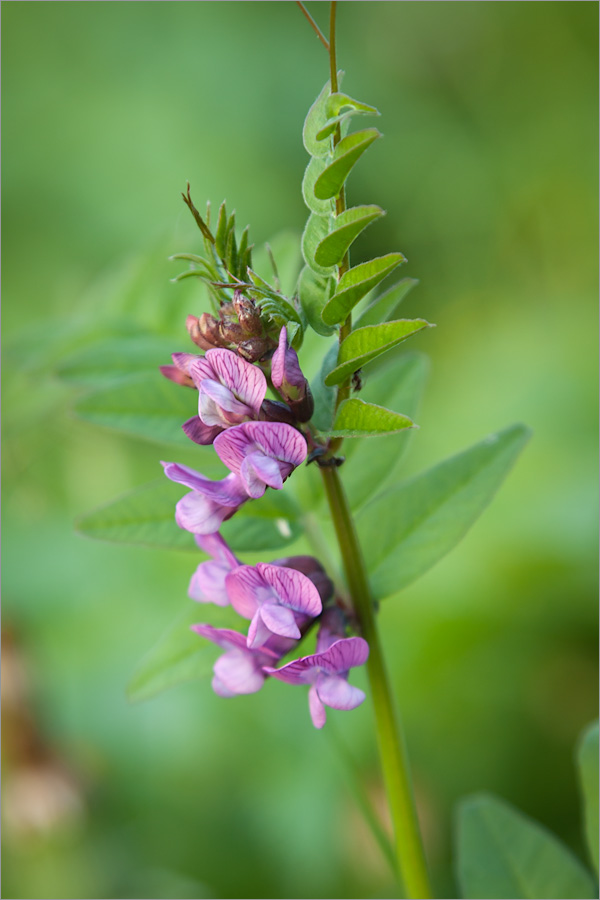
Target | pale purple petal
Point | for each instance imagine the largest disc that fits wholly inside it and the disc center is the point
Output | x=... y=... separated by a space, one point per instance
x=334 y=691
x=279 y=620
x=239 y=672
x=208 y=583
x=217 y=405
x=200 y=514
x=229 y=491
x=176 y=375
x=186 y=476
x=223 y=637
x=258 y=471
x=183 y=361
x=342 y=655
x=278 y=440
x=316 y=708
x=285 y=368
x=243 y=379
x=247 y=590
x=258 y=632
x=216 y=546
x=200 y=369
x=199 y=432
x=220 y=689
x=292 y=588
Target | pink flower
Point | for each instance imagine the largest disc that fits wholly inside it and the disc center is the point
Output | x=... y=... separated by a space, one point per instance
x=239 y=670
x=208 y=581
x=262 y=454
x=210 y=503
x=288 y=379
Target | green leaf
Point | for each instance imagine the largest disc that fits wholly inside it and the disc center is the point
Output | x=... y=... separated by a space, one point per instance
x=315 y=120
x=356 y=283
x=147 y=405
x=314 y=170
x=317 y=228
x=324 y=396
x=115 y=358
x=221 y=233
x=385 y=306
x=180 y=655
x=587 y=763
x=147 y=516
x=502 y=853
x=370 y=464
x=144 y=516
x=280 y=306
x=346 y=228
x=365 y=344
x=356 y=418
x=314 y=292
x=411 y=526
x=346 y=155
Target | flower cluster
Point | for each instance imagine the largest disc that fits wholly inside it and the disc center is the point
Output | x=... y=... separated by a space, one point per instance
x=261 y=443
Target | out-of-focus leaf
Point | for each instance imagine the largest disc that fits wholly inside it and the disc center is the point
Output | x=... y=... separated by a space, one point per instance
x=285 y=247
x=335 y=103
x=314 y=169
x=365 y=344
x=316 y=229
x=324 y=396
x=502 y=853
x=587 y=764
x=385 y=306
x=346 y=228
x=147 y=516
x=356 y=418
x=143 y=516
x=345 y=156
x=314 y=290
x=180 y=655
x=371 y=464
x=356 y=284
x=147 y=406
x=409 y=527
x=115 y=358
x=315 y=120
x=221 y=232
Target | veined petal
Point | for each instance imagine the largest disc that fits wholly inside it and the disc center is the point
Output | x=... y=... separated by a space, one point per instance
x=199 y=432
x=285 y=368
x=247 y=590
x=337 y=693
x=316 y=708
x=223 y=637
x=279 y=620
x=183 y=361
x=239 y=672
x=229 y=491
x=299 y=671
x=278 y=440
x=243 y=379
x=257 y=471
x=292 y=588
x=343 y=655
x=201 y=368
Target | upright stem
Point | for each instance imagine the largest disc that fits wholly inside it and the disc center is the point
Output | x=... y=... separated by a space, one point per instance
x=392 y=750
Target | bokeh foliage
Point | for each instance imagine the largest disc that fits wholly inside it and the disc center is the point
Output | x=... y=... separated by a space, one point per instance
x=488 y=174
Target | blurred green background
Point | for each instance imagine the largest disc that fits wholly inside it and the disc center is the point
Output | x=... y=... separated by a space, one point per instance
x=488 y=173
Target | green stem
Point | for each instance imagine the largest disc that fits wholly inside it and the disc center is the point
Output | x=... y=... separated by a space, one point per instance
x=392 y=750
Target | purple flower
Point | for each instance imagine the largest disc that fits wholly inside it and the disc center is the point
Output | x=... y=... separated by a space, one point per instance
x=263 y=454
x=276 y=600
x=208 y=581
x=313 y=569
x=327 y=674
x=239 y=670
x=210 y=503
x=288 y=379
x=180 y=371
x=230 y=390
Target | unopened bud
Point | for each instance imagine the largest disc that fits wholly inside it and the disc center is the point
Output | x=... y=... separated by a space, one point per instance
x=192 y=323
x=276 y=411
x=247 y=313
x=255 y=348
x=288 y=379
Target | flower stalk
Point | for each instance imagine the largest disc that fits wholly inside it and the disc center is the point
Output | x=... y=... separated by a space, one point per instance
x=394 y=761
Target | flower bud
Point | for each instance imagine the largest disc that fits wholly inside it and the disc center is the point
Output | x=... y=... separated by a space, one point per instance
x=192 y=323
x=254 y=348
x=288 y=379
x=248 y=315
x=276 y=411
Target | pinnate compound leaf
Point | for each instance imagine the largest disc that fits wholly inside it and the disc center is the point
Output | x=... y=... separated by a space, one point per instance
x=365 y=344
x=314 y=291
x=502 y=853
x=587 y=763
x=146 y=405
x=146 y=516
x=314 y=170
x=180 y=655
x=409 y=527
x=346 y=228
x=356 y=284
x=346 y=155
x=356 y=418
x=385 y=306
x=316 y=229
